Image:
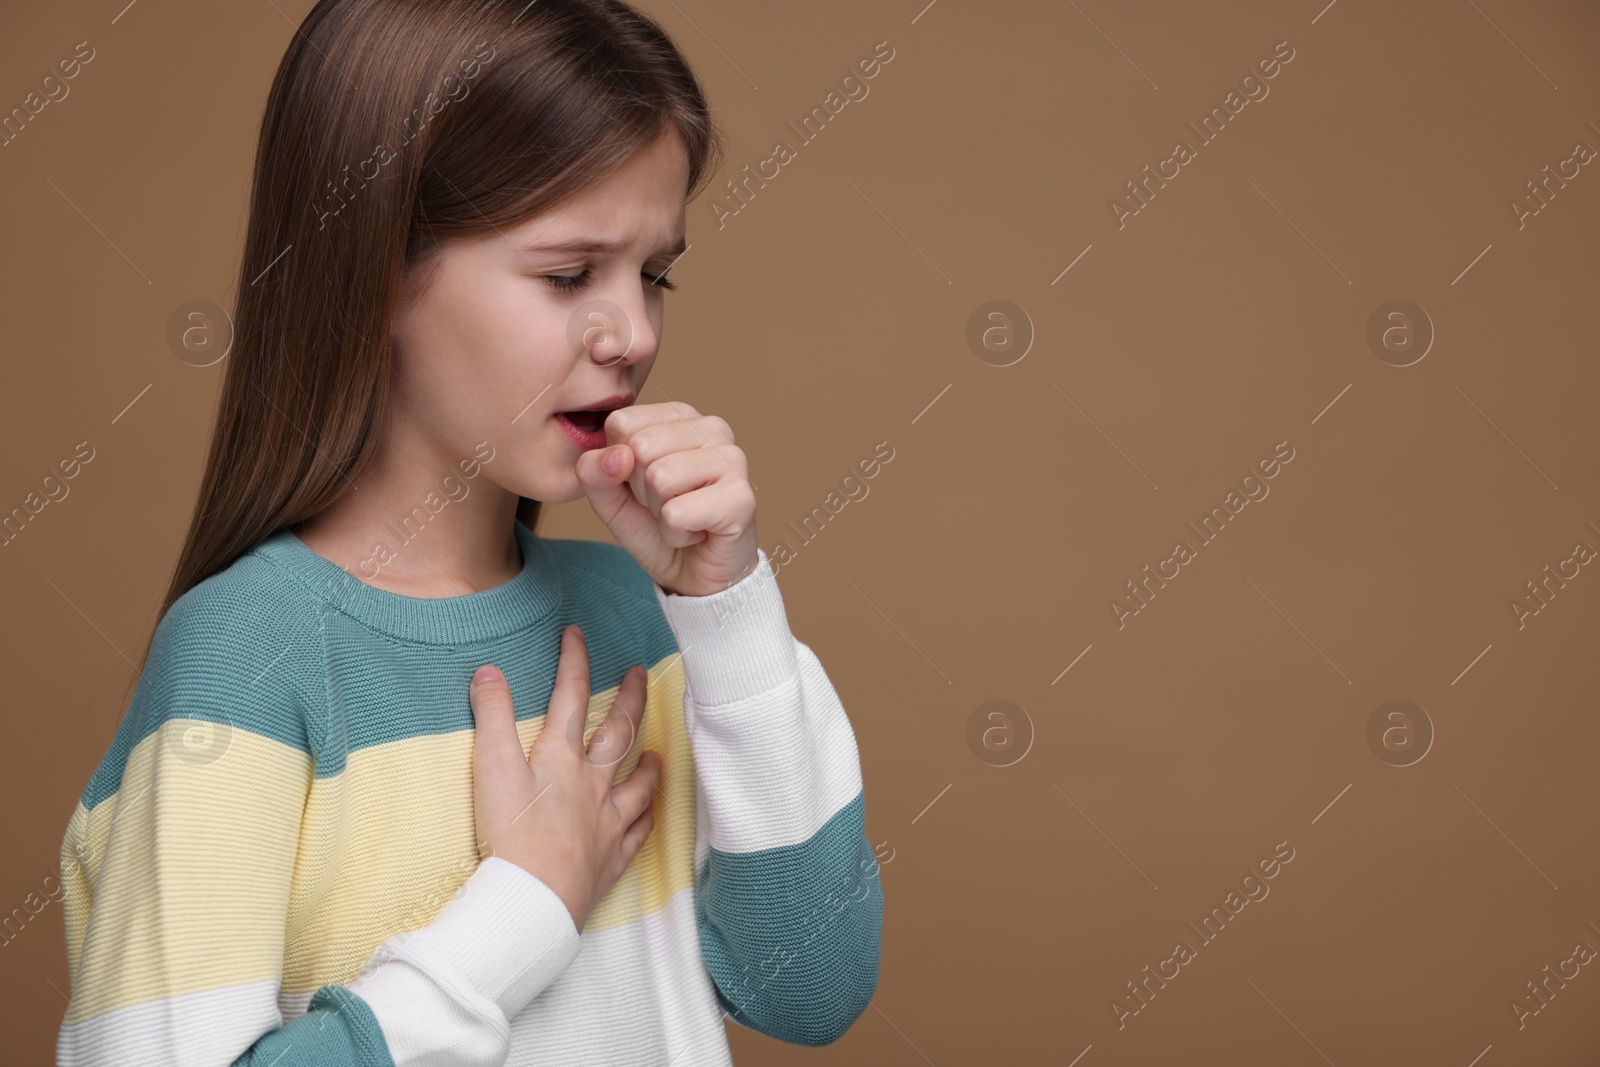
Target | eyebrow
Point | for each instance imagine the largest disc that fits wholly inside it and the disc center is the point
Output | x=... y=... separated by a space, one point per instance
x=586 y=245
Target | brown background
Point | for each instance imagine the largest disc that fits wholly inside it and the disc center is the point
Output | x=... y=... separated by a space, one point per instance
x=831 y=314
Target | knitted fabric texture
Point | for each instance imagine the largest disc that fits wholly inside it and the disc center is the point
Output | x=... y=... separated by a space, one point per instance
x=275 y=862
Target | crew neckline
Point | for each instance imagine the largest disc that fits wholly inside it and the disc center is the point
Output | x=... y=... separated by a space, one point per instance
x=511 y=606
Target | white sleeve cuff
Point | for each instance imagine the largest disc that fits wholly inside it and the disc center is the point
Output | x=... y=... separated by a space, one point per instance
x=491 y=949
x=736 y=642
x=506 y=931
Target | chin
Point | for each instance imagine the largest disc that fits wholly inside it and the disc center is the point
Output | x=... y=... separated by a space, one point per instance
x=564 y=491
x=565 y=498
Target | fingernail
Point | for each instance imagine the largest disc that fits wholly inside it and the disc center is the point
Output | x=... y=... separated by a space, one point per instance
x=611 y=462
x=484 y=674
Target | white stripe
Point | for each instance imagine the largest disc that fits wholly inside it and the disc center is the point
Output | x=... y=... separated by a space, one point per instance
x=635 y=994
x=611 y=989
x=776 y=766
x=443 y=993
x=206 y=1028
x=773 y=748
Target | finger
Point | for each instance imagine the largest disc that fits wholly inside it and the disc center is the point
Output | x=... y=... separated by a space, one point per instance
x=629 y=702
x=623 y=423
x=694 y=466
x=673 y=456
x=681 y=473
x=614 y=737
x=656 y=439
x=633 y=795
x=568 y=710
x=634 y=837
x=725 y=507
x=608 y=493
x=495 y=741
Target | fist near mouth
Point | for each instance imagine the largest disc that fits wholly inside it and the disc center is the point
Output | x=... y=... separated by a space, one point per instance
x=673 y=488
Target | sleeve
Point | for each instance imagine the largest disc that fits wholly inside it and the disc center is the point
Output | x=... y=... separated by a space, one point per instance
x=178 y=860
x=788 y=899
x=177 y=873
x=446 y=994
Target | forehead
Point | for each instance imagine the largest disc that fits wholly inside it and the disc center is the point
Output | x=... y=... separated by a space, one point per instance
x=643 y=200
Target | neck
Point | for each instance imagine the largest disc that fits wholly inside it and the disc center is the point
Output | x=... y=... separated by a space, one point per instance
x=418 y=525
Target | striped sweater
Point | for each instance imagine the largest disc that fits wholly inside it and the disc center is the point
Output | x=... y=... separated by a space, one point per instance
x=275 y=862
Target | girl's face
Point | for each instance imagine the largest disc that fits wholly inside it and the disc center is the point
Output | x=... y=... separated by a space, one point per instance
x=508 y=330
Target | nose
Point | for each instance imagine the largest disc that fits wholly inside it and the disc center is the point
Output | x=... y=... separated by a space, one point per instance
x=612 y=332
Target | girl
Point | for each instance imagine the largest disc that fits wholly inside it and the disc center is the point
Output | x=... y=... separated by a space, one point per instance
x=401 y=781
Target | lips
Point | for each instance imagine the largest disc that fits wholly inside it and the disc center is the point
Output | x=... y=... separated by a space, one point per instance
x=586 y=425
x=591 y=417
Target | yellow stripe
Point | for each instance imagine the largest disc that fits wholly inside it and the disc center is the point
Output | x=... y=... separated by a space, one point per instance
x=390 y=840
x=84 y=840
x=359 y=856
x=187 y=901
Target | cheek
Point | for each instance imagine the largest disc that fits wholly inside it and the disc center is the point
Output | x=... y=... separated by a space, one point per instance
x=479 y=355
x=520 y=339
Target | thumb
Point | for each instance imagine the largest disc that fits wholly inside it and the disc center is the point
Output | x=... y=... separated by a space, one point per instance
x=613 y=498
x=602 y=473
x=495 y=743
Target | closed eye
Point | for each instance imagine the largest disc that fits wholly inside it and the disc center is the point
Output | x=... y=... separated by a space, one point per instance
x=568 y=283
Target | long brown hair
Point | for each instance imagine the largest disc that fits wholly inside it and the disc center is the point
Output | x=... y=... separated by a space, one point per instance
x=391 y=126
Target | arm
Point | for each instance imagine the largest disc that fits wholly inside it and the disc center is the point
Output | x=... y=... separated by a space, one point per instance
x=176 y=888
x=788 y=899
x=446 y=993
x=177 y=873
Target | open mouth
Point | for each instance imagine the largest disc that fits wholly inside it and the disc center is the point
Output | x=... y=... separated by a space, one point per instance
x=588 y=421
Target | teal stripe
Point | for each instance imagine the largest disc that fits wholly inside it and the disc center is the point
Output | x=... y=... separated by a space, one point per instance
x=245 y=649
x=238 y=650
x=337 y=1030
x=792 y=935
x=418 y=691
